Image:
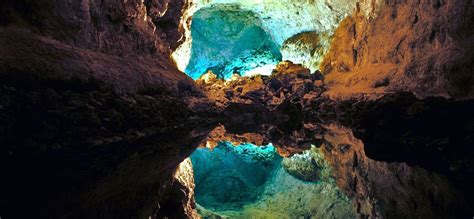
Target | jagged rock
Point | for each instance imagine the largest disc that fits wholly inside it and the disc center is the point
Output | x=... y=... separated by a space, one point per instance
x=94 y=84
x=307 y=48
x=185 y=178
x=282 y=20
x=302 y=166
x=288 y=82
x=383 y=189
x=208 y=78
x=421 y=56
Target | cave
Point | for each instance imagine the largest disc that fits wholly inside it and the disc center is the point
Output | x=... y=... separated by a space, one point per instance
x=228 y=40
x=247 y=180
x=236 y=109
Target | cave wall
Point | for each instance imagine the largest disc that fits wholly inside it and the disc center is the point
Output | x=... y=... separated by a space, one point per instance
x=124 y=43
x=389 y=189
x=122 y=28
x=89 y=101
x=228 y=40
x=425 y=47
x=379 y=46
x=281 y=19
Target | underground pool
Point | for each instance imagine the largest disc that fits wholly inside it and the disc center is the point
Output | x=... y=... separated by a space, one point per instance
x=246 y=180
x=211 y=109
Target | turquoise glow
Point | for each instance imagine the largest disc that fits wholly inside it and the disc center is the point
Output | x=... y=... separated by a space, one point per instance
x=228 y=40
x=249 y=181
x=229 y=177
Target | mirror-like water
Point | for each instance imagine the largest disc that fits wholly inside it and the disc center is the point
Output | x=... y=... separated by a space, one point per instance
x=251 y=181
x=330 y=179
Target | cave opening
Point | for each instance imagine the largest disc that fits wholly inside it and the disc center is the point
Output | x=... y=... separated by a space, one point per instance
x=247 y=180
x=229 y=40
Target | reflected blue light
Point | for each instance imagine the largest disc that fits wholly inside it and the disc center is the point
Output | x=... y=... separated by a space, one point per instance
x=228 y=177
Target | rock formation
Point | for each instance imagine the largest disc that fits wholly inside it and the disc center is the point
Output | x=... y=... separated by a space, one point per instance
x=88 y=97
x=97 y=120
x=289 y=82
x=116 y=42
x=425 y=47
x=281 y=19
x=389 y=190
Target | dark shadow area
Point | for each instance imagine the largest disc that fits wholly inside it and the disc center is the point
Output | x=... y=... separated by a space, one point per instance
x=76 y=149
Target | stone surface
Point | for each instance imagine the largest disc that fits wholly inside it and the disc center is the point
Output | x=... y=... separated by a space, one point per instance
x=281 y=19
x=306 y=48
x=289 y=82
x=88 y=98
x=425 y=47
x=184 y=175
x=87 y=88
x=303 y=166
x=228 y=40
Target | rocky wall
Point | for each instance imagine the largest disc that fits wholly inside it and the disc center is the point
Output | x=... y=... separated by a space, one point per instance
x=425 y=47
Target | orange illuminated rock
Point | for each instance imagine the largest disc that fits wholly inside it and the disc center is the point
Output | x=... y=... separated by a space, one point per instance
x=420 y=46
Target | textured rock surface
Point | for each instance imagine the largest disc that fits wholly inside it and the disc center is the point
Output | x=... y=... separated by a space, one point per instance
x=114 y=27
x=306 y=48
x=281 y=19
x=303 y=166
x=89 y=97
x=288 y=83
x=390 y=190
x=25 y=54
x=114 y=41
x=87 y=88
x=228 y=40
x=424 y=47
x=184 y=175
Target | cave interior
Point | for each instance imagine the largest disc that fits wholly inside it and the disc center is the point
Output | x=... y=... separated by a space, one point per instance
x=237 y=109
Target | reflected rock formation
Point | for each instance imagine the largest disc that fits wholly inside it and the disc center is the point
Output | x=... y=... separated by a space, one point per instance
x=338 y=173
x=236 y=108
x=254 y=181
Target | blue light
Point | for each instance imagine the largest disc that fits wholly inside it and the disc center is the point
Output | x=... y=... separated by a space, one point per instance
x=228 y=40
x=228 y=177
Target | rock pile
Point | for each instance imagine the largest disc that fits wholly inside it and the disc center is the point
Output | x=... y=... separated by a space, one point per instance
x=289 y=82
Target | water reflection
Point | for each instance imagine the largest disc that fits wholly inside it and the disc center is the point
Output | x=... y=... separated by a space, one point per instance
x=333 y=179
x=250 y=181
x=318 y=170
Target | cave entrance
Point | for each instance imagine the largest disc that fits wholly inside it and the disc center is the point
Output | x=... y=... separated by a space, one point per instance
x=228 y=40
x=249 y=181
